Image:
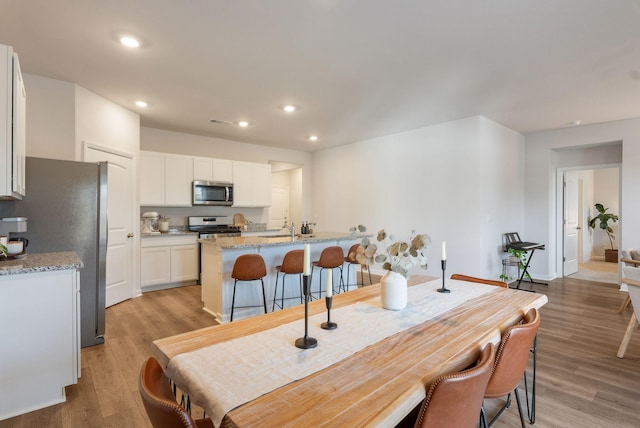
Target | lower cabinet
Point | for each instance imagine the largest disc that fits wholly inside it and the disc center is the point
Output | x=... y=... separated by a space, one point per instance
x=168 y=262
x=40 y=350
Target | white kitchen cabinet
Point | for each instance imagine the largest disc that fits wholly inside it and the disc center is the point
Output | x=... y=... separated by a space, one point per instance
x=168 y=261
x=251 y=184
x=165 y=179
x=222 y=171
x=209 y=169
x=12 y=126
x=184 y=263
x=155 y=265
x=39 y=327
x=178 y=178
x=151 y=178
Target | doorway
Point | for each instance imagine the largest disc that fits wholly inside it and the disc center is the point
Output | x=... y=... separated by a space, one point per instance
x=583 y=247
x=286 y=187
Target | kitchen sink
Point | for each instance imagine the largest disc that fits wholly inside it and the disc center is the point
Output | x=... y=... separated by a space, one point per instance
x=298 y=236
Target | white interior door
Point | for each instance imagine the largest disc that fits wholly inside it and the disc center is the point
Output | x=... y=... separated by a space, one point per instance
x=571 y=224
x=120 y=255
x=279 y=208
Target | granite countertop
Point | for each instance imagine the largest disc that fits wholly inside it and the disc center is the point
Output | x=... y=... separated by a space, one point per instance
x=170 y=233
x=257 y=241
x=40 y=262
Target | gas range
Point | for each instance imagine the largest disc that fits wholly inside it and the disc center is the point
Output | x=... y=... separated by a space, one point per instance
x=212 y=227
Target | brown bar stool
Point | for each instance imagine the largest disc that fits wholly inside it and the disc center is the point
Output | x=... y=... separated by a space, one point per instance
x=349 y=260
x=291 y=264
x=330 y=258
x=248 y=267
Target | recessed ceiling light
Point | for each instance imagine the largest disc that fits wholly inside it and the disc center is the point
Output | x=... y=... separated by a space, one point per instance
x=129 y=42
x=243 y=124
x=313 y=138
x=141 y=103
x=289 y=108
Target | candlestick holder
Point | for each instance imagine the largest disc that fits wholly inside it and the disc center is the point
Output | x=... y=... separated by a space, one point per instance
x=306 y=342
x=444 y=288
x=329 y=325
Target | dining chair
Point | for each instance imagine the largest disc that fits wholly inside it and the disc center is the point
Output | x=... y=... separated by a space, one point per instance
x=627 y=259
x=467 y=278
x=455 y=400
x=330 y=258
x=511 y=362
x=630 y=277
x=248 y=267
x=159 y=401
x=292 y=264
x=350 y=260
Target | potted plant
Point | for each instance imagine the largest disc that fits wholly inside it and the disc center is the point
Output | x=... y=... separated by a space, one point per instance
x=603 y=218
x=516 y=258
x=398 y=257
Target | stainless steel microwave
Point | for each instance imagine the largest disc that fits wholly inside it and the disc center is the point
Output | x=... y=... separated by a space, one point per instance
x=212 y=193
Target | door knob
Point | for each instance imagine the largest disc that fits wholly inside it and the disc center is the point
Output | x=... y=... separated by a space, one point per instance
x=578 y=228
x=129 y=235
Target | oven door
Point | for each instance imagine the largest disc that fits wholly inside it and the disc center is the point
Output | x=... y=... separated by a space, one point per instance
x=212 y=193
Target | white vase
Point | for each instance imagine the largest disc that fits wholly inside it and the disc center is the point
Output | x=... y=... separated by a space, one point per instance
x=393 y=291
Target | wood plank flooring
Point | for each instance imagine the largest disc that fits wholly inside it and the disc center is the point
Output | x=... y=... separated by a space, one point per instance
x=581 y=383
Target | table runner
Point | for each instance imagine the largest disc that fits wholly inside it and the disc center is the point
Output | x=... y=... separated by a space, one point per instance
x=226 y=375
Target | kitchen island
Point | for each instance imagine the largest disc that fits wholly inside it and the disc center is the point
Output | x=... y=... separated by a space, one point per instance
x=40 y=330
x=219 y=254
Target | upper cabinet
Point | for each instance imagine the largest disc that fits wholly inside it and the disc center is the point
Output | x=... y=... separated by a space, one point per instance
x=251 y=184
x=208 y=169
x=12 y=126
x=165 y=179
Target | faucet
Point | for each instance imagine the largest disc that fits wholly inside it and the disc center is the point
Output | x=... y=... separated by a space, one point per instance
x=293 y=231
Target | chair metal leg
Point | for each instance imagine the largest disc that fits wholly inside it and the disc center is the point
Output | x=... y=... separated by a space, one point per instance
x=264 y=297
x=233 y=299
x=502 y=409
x=531 y=404
x=515 y=391
x=275 y=291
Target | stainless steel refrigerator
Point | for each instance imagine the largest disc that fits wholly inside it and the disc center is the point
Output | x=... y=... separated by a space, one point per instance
x=66 y=207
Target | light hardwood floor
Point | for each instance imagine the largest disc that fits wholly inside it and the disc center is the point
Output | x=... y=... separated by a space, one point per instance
x=581 y=383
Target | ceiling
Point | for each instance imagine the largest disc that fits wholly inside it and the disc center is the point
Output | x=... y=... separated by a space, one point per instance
x=356 y=69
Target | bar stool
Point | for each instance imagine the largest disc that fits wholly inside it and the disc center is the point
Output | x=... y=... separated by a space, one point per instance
x=330 y=258
x=291 y=264
x=248 y=267
x=351 y=260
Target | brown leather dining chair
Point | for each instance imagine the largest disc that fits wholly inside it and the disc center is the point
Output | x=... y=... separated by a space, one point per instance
x=330 y=258
x=455 y=400
x=248 y=267
x=511 y=362
x=159 y=401
x=467 y=278
x=292 y=264
x=350 y=260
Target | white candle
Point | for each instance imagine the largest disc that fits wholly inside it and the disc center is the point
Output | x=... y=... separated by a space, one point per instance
x=306 y=266
x=329 y=282
x=444 y=250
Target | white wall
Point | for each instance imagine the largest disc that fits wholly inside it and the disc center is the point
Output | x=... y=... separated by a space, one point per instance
x=50 y=118
x=541 y=163
x=459 y=181
x=100 y=121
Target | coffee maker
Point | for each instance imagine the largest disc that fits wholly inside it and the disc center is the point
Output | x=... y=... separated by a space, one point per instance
x=10 y=225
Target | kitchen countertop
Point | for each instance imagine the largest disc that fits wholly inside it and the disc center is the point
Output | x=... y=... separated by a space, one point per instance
x=172 y=234
x=257 y=241
x=40 y=262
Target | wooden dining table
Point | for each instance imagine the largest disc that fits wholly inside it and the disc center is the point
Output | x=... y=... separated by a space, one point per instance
x=376 y=386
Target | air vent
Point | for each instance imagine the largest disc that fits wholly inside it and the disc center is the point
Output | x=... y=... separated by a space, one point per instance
x=220 y=122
